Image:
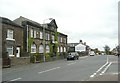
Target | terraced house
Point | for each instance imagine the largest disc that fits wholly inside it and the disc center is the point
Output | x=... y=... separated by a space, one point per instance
x=42 y=40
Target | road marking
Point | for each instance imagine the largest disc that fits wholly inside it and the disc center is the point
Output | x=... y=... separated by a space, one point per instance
x=105 y=69
x=15 y=79
x=48 y=70
x=99 y=70
x=71 y=63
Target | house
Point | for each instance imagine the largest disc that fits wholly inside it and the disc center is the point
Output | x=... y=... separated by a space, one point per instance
x=80 y=47
x=12 y=38
x=42 y=39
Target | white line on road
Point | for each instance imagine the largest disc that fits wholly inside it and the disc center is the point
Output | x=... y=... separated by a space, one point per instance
x=71 y=63
x=15 y=79
x=48 y=70
x=105 y=69
x=99 y=69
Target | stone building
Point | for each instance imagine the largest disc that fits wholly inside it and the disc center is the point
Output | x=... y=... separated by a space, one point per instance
x=42 y=39
x=12 y=38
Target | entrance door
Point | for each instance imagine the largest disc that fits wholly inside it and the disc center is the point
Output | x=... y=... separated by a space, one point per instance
x=18 y=52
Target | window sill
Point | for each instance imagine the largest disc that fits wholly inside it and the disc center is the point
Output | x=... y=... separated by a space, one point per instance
x=10 y=39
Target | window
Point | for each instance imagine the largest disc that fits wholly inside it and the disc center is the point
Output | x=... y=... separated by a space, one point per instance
x=41 y=49
x=61 y=49
x=53 y=37
x=47 y=49
x=48 y=36
x=31 y=32
x=41 y=35
x=61 y=39
x=34 y=34
x=58 y=49
x=33 y=48
x=10 y=50
x=64 y=49
x=10 y=34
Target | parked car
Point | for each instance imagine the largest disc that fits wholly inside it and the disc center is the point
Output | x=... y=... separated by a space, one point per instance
x=92 y=53
x=73 y=56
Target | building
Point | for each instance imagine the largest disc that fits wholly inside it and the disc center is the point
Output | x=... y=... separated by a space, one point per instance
x=42 y=40
x=80 y=47
x=12 y=38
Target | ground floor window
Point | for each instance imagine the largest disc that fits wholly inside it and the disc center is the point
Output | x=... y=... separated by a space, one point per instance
x=61 y=49
x=10 y=50
x=47 y=49
x=41 y=49
x=58 y=49
x=64 y=49
x=33 y=48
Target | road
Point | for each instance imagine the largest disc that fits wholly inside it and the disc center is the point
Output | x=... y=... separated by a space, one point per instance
x=86 y=68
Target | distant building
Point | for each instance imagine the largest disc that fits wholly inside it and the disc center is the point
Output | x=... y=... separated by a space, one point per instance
x=79 y=47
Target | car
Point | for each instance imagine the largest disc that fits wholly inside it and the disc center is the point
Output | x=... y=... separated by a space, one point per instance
x=73 y=56
x=92 y=53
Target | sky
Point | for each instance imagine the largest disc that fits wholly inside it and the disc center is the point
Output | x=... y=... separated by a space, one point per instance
x=92 y=21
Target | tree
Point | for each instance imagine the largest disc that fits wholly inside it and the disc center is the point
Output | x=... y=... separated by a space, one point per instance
x=107 y=49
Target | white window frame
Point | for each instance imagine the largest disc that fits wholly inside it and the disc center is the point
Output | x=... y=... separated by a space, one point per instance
x=41 y=48
x=33 y=48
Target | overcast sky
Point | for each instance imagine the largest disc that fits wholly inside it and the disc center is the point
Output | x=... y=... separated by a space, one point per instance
x=93 y=21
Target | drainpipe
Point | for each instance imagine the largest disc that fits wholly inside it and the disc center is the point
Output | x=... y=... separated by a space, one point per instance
x=27 y=38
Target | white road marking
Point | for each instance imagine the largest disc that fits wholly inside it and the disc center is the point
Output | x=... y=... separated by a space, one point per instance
x=99 y=69
x=48 y=70
x=71 y=63
x=105 y=69
x=16 y=79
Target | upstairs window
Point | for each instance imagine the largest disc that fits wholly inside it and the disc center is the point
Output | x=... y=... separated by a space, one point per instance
x=10 y=34
x=53 y=37
x=41 y=35
x=31 y=32
x=34 y=34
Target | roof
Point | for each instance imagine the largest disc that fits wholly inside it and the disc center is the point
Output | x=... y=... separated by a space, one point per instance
x=23 y=19
x=72 y=44
x=62 y=34
x=8 y=21
x=50 y=22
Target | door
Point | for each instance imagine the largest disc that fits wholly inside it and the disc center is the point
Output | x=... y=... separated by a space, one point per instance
x=18 y=52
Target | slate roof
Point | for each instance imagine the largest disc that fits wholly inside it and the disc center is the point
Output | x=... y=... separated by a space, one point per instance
x=8 y=21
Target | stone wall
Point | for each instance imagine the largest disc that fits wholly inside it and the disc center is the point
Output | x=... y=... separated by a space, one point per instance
x=20 y=61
